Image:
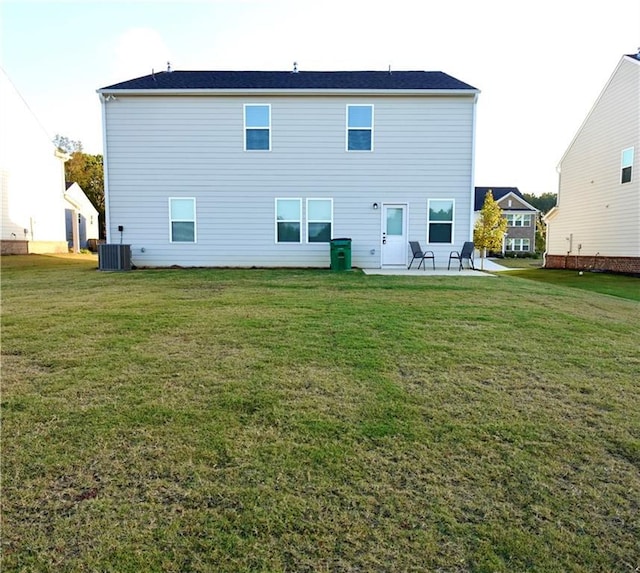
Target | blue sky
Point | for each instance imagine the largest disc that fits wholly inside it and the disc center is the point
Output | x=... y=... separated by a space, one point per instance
x=540 y=65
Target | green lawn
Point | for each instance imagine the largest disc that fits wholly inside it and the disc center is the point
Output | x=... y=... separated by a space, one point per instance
x=517 y=263
x=605 y=283
x=273 y=420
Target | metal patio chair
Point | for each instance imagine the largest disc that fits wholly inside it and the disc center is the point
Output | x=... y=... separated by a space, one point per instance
x=465 y=253
x=421 y=255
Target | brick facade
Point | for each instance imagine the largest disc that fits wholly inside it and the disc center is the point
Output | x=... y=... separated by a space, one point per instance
x=628 y=265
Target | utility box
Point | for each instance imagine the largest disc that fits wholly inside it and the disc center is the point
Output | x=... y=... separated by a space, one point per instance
x=340 y=254
x=114 y=257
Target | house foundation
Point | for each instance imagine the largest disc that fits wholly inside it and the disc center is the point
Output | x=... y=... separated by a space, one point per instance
x=33 y=247
x=627 y=265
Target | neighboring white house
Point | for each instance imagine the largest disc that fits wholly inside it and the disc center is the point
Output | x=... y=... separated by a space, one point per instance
x=245 y=169
x=81 y=218
x=596 y=223
x=31 y=180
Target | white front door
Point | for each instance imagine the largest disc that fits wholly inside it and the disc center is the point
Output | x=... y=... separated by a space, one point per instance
x=394 y=235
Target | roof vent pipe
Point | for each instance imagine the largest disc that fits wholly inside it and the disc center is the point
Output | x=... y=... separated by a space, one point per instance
x=169 y=67
x=295 y=67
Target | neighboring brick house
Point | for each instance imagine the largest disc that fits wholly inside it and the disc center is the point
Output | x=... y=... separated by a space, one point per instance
x=242 y=168
x=596 y=223
x=521 y=218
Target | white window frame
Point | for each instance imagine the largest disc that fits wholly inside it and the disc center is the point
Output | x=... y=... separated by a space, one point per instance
x=171 y=221
x=246 y=127
x=520 y=242
x=309 y=220
x=453 y=220
x=513 y=218
x=624 y=165
x=299 y=221
x=348 y=128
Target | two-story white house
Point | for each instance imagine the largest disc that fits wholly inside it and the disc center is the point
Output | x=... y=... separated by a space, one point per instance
x=596 y=223
x=242 y=168
x=32 y=183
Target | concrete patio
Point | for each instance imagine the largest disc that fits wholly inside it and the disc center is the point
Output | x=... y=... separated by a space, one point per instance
x=489 y=267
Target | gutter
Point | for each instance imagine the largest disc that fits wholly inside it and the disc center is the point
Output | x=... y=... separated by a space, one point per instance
x=282 y=91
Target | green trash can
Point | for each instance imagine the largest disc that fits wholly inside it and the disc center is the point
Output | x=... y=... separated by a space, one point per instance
x=340 y=254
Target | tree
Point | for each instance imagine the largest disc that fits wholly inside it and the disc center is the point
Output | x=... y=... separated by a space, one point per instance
x=489 y=228
x=66 y=145
x=86 y=170
x=544 y=203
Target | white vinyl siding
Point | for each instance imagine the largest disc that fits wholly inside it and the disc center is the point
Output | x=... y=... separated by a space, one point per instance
x=31 y=175
x=156 y=144
x=599 y=212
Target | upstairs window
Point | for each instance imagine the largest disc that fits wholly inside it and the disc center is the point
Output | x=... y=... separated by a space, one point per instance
x=627 y=164
x=518 y=245
x=182 y=220
x=518 y=219
x=257 y=127
x=440 y=221
x=359 y=128
x=288 y=217
x=319 y=220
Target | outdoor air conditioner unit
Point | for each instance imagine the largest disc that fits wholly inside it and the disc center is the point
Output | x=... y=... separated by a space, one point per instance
x=114 y=257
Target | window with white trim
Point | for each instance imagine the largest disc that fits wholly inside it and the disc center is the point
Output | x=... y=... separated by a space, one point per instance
x=288 y=220
x=440 y=220
x=518 y=245
x=359 y=127
x=627 y=165
x=518 y=219
x=319 y=220
x=182 y=220
x=257 y=127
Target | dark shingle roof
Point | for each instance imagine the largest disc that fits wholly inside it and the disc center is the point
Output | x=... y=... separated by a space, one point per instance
x=228 y=80
x=497 y=192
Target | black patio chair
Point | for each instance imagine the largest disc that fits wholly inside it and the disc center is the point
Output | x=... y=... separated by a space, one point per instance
x=465 y=253
x=421 y=255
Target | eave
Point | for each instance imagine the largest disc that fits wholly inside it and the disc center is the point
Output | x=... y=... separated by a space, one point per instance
x=284 y=92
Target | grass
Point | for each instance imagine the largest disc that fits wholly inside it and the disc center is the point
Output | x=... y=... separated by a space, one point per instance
x=519 y=263
x=623 y=286
x=273 y=420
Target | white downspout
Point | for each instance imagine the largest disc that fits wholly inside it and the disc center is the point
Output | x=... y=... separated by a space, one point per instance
x=473 y=169
x=105 y=170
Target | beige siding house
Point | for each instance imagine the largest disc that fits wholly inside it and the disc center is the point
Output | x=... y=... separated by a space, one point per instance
x=596 y=223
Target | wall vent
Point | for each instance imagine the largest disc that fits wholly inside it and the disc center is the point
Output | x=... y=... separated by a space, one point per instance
x=114 y=257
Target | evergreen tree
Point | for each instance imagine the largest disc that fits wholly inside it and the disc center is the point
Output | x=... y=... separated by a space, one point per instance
x=489 y=228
